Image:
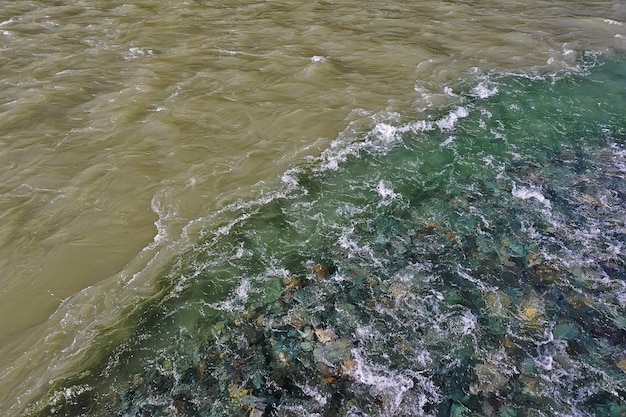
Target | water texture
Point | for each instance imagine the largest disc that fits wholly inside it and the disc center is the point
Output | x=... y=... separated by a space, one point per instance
x=472 y=263
x=199 y=159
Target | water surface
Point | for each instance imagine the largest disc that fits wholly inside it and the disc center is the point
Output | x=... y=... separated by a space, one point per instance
x=130 y=131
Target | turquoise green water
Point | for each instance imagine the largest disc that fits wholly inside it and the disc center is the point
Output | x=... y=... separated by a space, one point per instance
x=470 y=264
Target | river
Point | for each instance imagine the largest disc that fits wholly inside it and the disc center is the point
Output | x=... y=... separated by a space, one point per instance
x=172 y=159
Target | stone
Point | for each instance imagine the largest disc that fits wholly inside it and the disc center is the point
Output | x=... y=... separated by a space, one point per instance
x=325 y=335
x=348 y=368
x=306 y=346
x=543 y=274
x=459 y=410
x=489 y=379
x=236 y=392
x=507 y=412
x=257 y=411
x=497 y=302
x=334 y=352
x=565 y=331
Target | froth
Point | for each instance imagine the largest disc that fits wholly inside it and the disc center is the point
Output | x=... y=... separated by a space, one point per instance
x=485 y=89
x=449 y=122
x=238 y=300
x=385 y=383
x=383 y=137
x=318 y=58
x=386 y=192
x=526 y=193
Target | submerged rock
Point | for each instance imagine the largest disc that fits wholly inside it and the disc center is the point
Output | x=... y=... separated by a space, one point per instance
x=620 y=361
x=497 y=303
x=489 y=379
x=542 y=274
x=325 y=335
x=565 y=331
x=333 y=352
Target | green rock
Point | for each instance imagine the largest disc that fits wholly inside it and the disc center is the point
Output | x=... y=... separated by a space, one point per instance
x=615 y=410
x=306 y=346
x=565 y=331
x=333 y=352
x=459 y=410
x=507 y=412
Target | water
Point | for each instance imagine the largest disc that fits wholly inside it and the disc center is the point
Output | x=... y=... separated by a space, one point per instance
x=468 y=263
x=390 y=209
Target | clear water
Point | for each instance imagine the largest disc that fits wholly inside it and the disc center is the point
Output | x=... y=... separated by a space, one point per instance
x=470 y=263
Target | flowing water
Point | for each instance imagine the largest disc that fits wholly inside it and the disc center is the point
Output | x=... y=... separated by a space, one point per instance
x=282 y=208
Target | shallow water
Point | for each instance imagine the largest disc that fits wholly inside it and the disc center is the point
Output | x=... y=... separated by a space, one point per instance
x=134 y=134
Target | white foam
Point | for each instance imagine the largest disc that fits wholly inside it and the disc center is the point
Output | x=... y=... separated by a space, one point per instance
x=386 y=132
x=383 y=136
x=449 y=92
x=620 y=295
x=499 y=134
x=420 y=126
x=450 y=140
x=290 y=179
x=346 y=243
x=423 y=358
x=68 y=394
x=318 y=58
x=386 y=192
x=295 y=410
x=485 y=89
x=134 y=53
x=448 y=122
x=243 y=290
x=238 y=301
x=314 y=393
x=467 y=323
x=619 y=159
x=241 y=252
x=274 y=270
x=526 y=193
x=245 y=208
x=480 y=284
x=544 y=361
x=428 y=393
x=568 y=51
x=368 y=332
x=353 y=248
x=383 y=382
x=164 y=213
